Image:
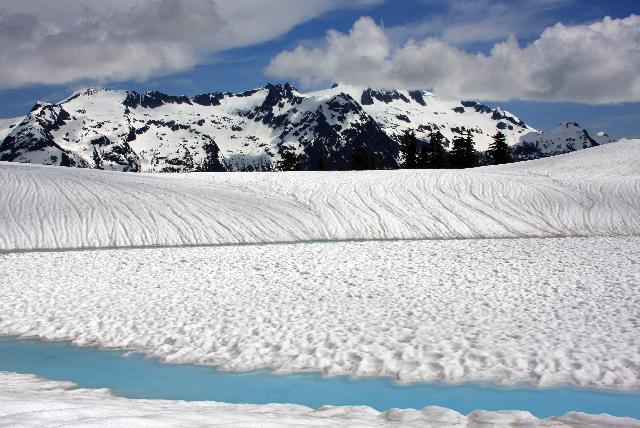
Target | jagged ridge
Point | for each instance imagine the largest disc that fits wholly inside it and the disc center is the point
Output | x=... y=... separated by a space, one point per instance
x=223 y=131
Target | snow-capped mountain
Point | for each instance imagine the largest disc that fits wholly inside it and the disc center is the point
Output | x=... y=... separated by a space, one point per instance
x=567 y=137
x=154 y=132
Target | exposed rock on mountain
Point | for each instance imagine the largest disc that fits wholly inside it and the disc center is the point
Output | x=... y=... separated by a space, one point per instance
x=248 y=131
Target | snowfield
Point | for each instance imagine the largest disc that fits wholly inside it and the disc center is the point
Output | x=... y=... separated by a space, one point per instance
x=29 y=401
x=540 y=310
x=591 y=192
x=394 y=291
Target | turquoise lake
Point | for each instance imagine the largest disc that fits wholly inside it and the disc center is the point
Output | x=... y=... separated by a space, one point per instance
x=135 y=376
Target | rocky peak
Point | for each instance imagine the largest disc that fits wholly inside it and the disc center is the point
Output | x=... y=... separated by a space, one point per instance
x=153 y=99
x=385 y=96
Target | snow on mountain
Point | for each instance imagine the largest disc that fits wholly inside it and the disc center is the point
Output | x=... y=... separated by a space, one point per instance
x=590 y=192
x=423 y=112
x=127 y=131
x=7 y=125
x=567 y=137
x=154 y=132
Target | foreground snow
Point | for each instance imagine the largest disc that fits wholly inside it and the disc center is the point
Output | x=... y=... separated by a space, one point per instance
x=591 y=192
x=27 y=400
x=540 y=310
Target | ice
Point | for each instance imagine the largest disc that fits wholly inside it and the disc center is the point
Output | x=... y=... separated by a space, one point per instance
x=546 y=311
x=391 y=292
x=29 y=401
x=591 y=192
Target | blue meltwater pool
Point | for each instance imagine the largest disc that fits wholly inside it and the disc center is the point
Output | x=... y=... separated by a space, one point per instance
x=136 y=376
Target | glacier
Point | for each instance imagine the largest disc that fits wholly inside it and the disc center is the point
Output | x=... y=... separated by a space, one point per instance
x=593 y=192
x=406 y=273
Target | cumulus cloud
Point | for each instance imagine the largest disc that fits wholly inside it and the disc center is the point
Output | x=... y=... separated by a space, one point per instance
x=591 y=63
x=62 y=41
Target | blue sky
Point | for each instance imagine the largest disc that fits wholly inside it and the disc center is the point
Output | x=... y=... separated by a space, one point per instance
x=471 y=27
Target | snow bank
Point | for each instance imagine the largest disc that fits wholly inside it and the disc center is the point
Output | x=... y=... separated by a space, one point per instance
x=29 y=401
x=590 y=192
x=540 y=310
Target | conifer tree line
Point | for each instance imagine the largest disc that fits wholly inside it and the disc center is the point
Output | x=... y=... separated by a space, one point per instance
x=415 y=154
x=431 y=154
x=289 y=161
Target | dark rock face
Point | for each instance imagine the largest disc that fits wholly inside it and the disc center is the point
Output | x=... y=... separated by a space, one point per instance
x=368 y=95
x=418 y=97
x=480 y=108
x=500 y=115
x=121 y=154
x=331 y=147
x=212 y=99
x=153 y=99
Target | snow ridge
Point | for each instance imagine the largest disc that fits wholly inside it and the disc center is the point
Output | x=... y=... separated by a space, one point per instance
x=591 y=192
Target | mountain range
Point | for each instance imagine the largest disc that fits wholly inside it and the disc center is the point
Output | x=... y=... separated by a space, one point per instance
x=248 y=131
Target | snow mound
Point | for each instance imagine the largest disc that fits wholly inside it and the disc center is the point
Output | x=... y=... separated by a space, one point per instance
x=590 y=192
x=544 y=311
x=27 y=400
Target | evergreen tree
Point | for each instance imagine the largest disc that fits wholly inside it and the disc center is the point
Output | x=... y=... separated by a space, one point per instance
x=423 y=157
x=288 y=161
x=409 y=148
x=499 y=151
x=436 y=158
x=322 y=162
x=361 y=159
x=463 y=153
x=456 y=154
x=470 y=155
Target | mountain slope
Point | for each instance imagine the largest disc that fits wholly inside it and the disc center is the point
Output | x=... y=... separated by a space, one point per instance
x=590 y=192
x=6 y=125
x=567 y=137
x=155 y=132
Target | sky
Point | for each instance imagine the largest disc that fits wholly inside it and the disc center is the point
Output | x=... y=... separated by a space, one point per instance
x=547 y=61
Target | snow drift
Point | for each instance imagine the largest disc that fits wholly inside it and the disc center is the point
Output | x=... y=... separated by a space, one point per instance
x=591 y=192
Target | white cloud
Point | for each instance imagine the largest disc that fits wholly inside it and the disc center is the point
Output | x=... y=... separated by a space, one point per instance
x=471 y=21
x=591 y=63
x=63 y=41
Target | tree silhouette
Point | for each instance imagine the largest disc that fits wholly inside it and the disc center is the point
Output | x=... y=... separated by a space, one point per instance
x=436 y=154
x=361 y=159
x=499 y=151
x=463 y=153
x=288 y=160
x=409 y=148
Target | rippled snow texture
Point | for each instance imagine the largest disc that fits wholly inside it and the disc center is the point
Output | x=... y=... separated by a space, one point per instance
x=546 y=311
x=591 y=192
